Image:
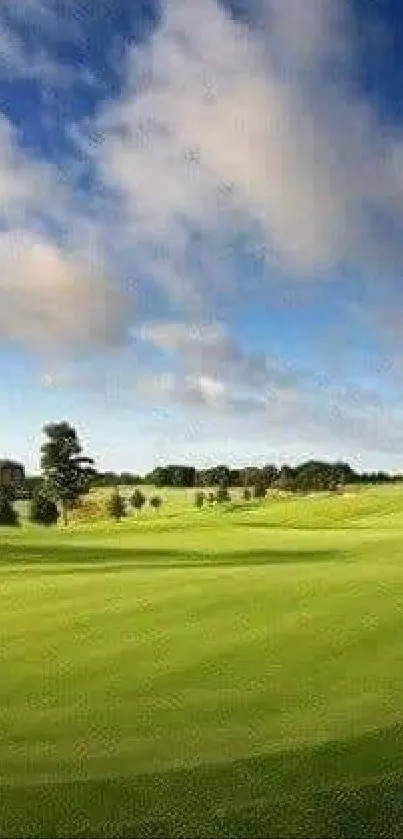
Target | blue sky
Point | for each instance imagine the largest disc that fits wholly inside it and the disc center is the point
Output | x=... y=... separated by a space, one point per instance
x=201 y=218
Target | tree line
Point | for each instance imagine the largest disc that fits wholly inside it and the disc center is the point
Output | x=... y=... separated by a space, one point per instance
x=67 y=475
x=310 y=476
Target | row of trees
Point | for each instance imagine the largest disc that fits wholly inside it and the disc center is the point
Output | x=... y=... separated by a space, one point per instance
x=67 y=475
x=310 y=476
x=117 y=506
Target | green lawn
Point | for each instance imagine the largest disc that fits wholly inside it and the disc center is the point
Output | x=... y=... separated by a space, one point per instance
x=213 y=673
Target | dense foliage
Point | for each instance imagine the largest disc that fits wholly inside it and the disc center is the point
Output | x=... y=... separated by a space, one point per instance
x=199 y=499
x=116 y=506
x=138 y=499
x=66 y=472
x=8 y=515
x=43 y=509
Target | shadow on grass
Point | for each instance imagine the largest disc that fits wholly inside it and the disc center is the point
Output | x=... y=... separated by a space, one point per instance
x=113 y=558
x=337 y=524
x=341 y=789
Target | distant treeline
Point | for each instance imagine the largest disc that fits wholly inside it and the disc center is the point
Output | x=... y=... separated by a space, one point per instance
x=313 y=475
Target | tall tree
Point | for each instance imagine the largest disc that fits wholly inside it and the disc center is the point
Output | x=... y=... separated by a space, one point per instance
x=67 y=473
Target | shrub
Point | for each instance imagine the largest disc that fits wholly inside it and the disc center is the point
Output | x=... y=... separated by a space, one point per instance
x=223 y=494
x=8 y=516
x=259 y=490
x=211 y=498
x=247 y=495
x=138 y=499
x=91 y=508
x=199 y=499
x=43 y=510
x=155 y=502
x=116 y=506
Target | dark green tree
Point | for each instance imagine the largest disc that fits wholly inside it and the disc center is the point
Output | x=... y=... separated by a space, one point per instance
x=116 y=506
x=138 y=499
x=155 y=502
x=8 y=515
x=67 y=473
x=259 y=488
x=222 y=493
x=199 y=499
x=43 y=509
x=286 y=480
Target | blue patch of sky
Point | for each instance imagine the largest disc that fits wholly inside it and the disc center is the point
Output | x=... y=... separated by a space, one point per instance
x=378 y=42
x=87 y=40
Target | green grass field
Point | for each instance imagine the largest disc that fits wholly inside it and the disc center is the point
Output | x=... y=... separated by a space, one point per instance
x=212 y=673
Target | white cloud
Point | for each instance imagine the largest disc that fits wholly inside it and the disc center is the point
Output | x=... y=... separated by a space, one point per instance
x=49 y=298
x=220 y=129
x=221 y=124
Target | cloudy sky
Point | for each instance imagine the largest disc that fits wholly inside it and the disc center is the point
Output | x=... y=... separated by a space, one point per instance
x=201 y=229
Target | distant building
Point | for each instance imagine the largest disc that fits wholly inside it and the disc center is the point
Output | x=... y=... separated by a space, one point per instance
x=12 y=474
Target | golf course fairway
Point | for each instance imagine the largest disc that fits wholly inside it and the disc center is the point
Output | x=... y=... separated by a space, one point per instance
x=212 y=673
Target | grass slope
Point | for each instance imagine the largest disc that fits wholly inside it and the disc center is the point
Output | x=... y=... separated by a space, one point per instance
x=206 y=673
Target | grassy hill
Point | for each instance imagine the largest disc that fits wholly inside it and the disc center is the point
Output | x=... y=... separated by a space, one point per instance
x=231 y=672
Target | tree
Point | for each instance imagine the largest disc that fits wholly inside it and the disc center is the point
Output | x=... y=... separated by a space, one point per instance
x=116 y=505
x=32 y=483
x=8 y=515
x=259 y=489
x=138 y=499
x=67 y=473
x=129 y=479
x=43 y=509
x=268 y=475
x=285 y=480
x=199 y=499
x=211 y=498
x=155 y=502
x=222 y=493
x=247 y=495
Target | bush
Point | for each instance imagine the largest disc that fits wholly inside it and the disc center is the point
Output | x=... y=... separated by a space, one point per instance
x=116 y=506
x=211 y=498
x=155 y=502
x=247 y=495
x=199 y=499
x=259 y=490
x=138 y=499
x=91 y=508
x=8 y=516
x=222 y=494
x=43 y=510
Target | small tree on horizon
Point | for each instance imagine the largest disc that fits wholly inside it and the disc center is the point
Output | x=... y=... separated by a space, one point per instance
x=138 y=499
x=8 y=515
x=259 y=489
x=223 y=495
x=199 y=499
x=155 y=502
x=116 y=506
